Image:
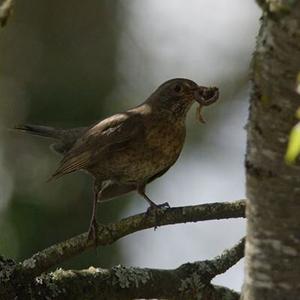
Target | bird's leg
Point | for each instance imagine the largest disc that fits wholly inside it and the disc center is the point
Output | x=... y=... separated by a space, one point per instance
x=141 y=191
x=157 y=209
x=93 y=229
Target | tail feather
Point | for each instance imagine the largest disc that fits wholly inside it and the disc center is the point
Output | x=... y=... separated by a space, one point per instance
x=65 y=137
x=65 y=140
x=39 y=130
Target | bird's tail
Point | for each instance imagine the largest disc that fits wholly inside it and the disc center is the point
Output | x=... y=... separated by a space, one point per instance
x=65 y=137
x=45 y=131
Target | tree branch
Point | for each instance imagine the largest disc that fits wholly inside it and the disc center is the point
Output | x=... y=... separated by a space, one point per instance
x=49 y=257
x=189 y=281
x=20 y=278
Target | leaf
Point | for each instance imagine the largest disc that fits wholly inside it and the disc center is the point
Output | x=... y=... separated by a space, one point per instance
x=293 y=149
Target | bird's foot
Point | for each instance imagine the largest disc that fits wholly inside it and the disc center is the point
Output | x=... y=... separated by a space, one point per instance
x=157 y=211
x=93 y=231
x=164 y=205
x=157 y=207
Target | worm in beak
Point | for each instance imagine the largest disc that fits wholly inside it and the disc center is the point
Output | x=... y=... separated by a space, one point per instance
x=205 y=96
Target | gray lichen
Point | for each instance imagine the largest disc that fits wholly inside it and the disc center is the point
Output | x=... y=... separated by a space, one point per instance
x=7 y=268
x=29 y=263
x=49 y=281
x=129 y=276
x=191 y=283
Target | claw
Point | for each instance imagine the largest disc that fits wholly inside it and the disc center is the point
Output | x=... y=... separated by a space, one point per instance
x=164 y=205
x=157 y=210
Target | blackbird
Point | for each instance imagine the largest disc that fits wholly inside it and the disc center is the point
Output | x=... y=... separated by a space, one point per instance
x=128 y=150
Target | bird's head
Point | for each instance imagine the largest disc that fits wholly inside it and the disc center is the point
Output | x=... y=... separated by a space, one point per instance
x=177 y=95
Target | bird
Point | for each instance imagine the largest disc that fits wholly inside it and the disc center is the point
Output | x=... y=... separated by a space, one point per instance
x=128 y=150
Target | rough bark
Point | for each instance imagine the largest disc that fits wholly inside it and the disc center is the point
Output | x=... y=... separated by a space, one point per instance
x=192 y=280
x=273 y=188
x=189 y=281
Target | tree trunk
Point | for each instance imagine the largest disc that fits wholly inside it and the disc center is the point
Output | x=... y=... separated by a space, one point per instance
x=273 y=188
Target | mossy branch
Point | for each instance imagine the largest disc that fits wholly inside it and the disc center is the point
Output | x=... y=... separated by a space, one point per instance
x=189 y=281
x=24 y=275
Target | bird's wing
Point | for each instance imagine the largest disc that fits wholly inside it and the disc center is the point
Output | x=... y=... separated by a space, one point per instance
x=111 y=131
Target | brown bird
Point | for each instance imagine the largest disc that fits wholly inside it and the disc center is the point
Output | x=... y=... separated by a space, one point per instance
x=128 y=150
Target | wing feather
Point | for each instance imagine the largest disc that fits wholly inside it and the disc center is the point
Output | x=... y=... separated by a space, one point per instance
x=112 y=131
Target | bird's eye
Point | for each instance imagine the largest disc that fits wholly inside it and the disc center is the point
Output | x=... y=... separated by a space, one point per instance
x=177 y=88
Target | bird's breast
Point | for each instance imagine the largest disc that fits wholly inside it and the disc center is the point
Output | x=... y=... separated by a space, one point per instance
x=159 y=150
x=144 y=157
x=166 y=139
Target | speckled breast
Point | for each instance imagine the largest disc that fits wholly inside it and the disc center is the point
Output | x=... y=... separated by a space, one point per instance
x=143 y=159
x=159 y=150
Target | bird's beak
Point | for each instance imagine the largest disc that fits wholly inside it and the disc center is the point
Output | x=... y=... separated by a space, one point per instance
x=205 y=96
